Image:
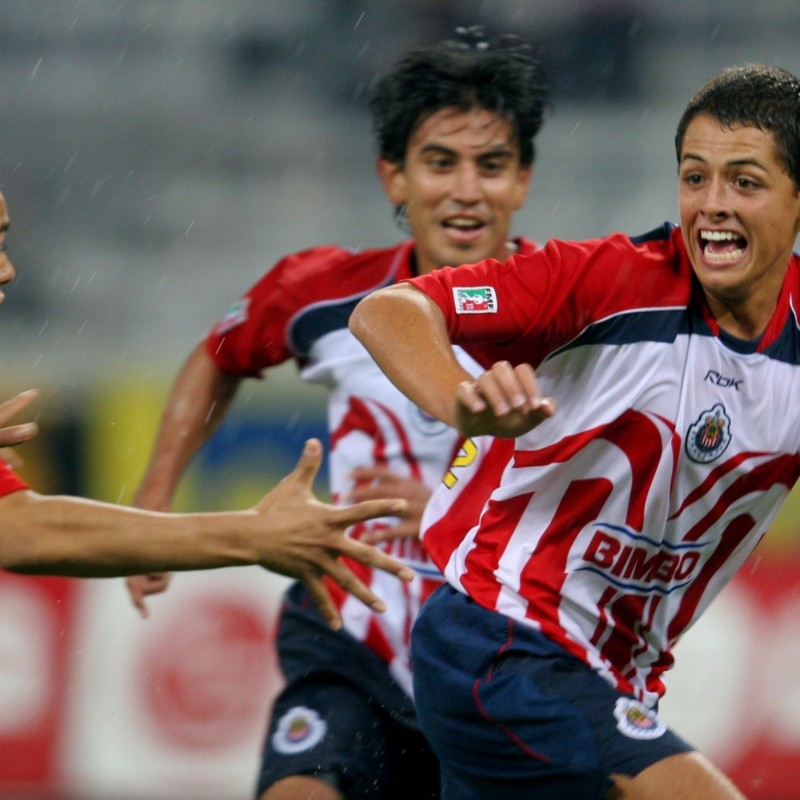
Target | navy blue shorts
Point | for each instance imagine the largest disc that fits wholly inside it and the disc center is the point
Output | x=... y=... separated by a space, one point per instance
x=511 y=714
x=341 y=716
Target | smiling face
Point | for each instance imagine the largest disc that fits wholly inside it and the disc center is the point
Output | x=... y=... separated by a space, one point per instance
x=460 y=183
x=6 y=267
x=740 y=215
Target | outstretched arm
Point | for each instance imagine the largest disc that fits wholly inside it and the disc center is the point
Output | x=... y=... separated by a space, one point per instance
x=405 y=332
x=289 y=532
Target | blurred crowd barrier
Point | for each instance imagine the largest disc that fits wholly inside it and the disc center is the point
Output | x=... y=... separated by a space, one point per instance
x=99 y=704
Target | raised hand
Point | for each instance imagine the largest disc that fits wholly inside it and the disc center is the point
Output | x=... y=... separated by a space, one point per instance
x=313 y=536
x=16 y=434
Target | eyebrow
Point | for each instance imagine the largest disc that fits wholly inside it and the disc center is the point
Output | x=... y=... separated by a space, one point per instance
x=739 y=162
x=500 y=150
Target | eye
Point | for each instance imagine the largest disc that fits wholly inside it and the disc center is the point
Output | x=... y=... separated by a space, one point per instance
x=692 y=178
x=440 y=162
x=743 y=182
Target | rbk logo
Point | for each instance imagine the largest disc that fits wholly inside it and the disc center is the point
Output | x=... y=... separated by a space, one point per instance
x=718 y=379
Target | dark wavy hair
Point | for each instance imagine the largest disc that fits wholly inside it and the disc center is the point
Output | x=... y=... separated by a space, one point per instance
x=500 y=75
x=764 y=97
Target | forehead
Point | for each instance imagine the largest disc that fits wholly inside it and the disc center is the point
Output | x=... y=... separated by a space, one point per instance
x=708 y=139
x=477 y=129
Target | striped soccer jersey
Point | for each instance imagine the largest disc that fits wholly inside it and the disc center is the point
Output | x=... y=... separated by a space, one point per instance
x=299 y=310
x=612 y=525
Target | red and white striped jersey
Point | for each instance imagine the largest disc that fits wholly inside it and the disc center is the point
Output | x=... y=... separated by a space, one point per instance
x=9 y=480
x=299 y=310
x=612 y=525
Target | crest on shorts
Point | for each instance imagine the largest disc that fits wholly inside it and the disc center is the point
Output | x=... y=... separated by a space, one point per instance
x=636 y=721
x=475 y=299
x=299 y=729
x=708 y=437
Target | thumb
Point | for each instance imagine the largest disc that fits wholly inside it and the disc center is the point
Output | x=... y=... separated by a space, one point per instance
x=308 y=464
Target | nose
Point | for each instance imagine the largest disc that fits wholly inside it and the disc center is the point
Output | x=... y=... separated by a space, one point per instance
x=7 y=271
x=716 y=203
x=467 y=186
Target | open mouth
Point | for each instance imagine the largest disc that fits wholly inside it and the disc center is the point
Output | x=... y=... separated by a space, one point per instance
x=465 y=224
x=722 y=247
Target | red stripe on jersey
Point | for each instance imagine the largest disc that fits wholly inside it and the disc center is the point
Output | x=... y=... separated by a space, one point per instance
x=483 y=560
x=622 y=639
x=377 y=642
x=734 y=533
x=713 y=477
x=545 y=572
x=637 y=436
x=360 y=418
x=442 y=537
x=783 y=469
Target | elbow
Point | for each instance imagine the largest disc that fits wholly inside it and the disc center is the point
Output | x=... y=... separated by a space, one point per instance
x=359 y=319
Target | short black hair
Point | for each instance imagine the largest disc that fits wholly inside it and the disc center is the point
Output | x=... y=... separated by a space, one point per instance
x=500 y=75
x=764 y=97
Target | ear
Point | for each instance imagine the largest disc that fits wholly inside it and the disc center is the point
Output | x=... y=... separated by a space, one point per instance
x=524 y=179
x=393 y=179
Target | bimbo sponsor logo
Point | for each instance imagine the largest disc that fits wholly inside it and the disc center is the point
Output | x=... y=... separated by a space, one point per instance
x=633 y=562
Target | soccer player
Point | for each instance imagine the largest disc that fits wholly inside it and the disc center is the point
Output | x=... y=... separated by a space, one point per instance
x=643 y=460
x=289 y=531
x=455 y=125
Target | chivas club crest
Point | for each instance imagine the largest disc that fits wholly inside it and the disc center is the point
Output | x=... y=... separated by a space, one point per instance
x=707 y=438
x=636 y=721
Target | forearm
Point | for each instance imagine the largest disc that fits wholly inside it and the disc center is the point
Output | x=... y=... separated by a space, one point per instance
x=84 y=538
x=198 y=401
x=405 y=333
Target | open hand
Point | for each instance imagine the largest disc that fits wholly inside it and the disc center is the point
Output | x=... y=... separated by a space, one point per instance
x=16 y=434
x=306 y=537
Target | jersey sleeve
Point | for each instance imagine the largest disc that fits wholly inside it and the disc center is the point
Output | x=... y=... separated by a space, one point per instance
x=9 y=480
x=524 y=308
x=253 y=335
x=491 y=303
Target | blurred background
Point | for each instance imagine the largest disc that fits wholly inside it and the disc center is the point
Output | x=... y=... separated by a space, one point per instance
x=157 y=156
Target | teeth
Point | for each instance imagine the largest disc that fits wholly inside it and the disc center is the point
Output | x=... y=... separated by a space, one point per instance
x=718 y=236
x=721 y=258
x=463 y=223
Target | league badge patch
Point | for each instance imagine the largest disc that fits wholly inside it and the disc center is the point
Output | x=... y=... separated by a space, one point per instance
x=236 y=315
x=707 y=438
x=299 y=729
x=475 y=300
x=636 y=721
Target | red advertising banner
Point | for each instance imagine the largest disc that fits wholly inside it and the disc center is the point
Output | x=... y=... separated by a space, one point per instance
x=37 y=617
